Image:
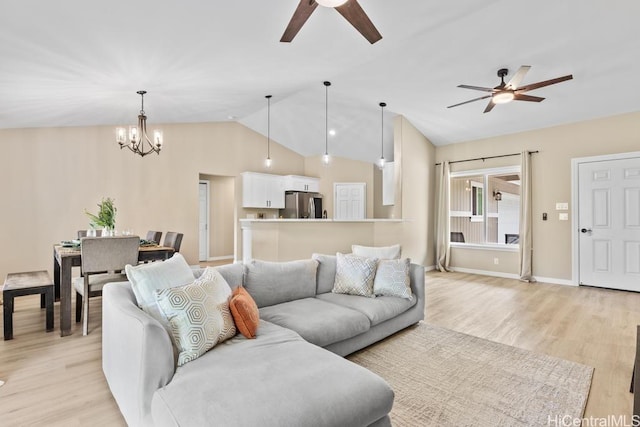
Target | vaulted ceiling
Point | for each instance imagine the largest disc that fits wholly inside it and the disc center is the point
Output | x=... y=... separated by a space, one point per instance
x=78 y=63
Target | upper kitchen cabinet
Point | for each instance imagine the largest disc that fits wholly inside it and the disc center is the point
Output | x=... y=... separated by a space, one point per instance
x=301 y=183
x=261 y=190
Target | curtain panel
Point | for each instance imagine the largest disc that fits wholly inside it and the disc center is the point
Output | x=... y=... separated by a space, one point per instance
x=443 y=235
x=526 y=244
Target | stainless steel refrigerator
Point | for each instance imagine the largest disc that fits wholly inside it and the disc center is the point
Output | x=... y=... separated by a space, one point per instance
x=299 y=204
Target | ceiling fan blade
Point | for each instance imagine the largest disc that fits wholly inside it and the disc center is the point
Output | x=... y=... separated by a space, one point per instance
x=484 y=89
x=490 y=106
x=471 y=100
x=523 y=97
x=357 y=17
x=543 y=84
x=303 y=12
x=517 y=77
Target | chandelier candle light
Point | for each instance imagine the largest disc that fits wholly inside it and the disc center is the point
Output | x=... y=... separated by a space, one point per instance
x=139 y=141
x=267 y=161
x=325 y=158
x=381 y=161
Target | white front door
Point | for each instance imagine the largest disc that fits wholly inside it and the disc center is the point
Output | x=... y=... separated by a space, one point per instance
x=204 y=221
x=609 y=223
x=349 y=201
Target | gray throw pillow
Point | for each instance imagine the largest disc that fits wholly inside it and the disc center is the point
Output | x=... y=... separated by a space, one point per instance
x=354 y=275
x=392 y=278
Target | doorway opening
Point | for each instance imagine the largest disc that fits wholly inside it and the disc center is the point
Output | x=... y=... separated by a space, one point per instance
x=216 y=219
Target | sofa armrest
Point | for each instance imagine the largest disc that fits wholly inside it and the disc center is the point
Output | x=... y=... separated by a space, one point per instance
x=416 y=277
x=137 y=355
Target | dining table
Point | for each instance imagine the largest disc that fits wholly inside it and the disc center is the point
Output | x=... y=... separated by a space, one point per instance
x=65 y=258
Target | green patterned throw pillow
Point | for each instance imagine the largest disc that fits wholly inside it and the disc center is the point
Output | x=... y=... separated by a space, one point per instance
x=198 y=314
x=354 y=275
x=392 y=278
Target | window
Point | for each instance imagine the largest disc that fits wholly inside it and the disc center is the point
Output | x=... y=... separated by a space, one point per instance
x=485 y=207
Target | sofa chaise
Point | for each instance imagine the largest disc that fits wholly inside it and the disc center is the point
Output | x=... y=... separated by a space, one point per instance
x=291 y=374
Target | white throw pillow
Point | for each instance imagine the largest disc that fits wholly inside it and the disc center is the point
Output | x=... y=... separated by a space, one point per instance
x=392 y=278
x=354 y=275
x=380 y=252
x=198 y=314
x=147 y=278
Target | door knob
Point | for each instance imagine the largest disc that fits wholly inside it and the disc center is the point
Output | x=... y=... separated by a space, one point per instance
x=585 y=230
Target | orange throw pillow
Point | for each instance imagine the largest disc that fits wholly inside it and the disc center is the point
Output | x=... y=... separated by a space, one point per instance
x=245 y=312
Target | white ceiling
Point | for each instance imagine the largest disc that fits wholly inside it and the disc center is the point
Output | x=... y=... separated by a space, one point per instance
x=79 y=62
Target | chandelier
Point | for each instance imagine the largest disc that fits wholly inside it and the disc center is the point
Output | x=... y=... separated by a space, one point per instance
x=138 y=140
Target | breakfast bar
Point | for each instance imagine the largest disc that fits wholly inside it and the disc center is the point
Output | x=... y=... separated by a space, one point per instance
x=289 y=239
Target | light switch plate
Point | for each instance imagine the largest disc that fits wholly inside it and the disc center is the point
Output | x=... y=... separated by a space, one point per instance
x=562 y=206
x=563 y=216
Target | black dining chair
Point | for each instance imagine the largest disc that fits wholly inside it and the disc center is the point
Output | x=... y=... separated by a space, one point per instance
x=173 y=240
x=154 y=236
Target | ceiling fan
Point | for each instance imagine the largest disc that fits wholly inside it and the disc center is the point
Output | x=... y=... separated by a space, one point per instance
x=511 y=91
x=350 y=9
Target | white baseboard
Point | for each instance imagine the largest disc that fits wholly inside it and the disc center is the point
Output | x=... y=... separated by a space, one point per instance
x=551 y=280
x=430 y=268
x=485 y=272
x=555 y=281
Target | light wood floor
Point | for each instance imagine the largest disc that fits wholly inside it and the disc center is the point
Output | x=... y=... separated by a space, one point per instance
x=58 y=381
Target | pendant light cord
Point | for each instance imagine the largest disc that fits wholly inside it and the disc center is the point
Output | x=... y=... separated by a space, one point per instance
x=382 y=130
x=326 y=118
x=268 y=126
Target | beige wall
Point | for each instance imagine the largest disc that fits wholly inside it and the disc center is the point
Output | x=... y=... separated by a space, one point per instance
x=414 y=157
x=551 y=180
x=50 y=175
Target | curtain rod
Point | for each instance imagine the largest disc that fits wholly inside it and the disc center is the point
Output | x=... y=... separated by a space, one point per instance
x=486 y=158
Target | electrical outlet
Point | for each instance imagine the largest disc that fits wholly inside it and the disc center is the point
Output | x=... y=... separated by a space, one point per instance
x=496 y=261
x=563 y=217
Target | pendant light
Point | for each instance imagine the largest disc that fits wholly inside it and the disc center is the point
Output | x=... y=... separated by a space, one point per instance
x=267 y=161
x=326 y=160
x=381 y=162
x=138 y=140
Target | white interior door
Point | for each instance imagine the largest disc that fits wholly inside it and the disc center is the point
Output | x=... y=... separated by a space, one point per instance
x=204 y=221
x=609 y=223
x=349 y=200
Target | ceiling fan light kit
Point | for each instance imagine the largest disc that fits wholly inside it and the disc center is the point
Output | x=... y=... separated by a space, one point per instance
x=511 y=91
x=331 y=3
x=349 y=9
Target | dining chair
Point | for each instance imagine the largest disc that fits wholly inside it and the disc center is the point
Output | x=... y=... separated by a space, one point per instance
x=103 y=261
x=154 y=236
x=83 y=233
x=173 y=240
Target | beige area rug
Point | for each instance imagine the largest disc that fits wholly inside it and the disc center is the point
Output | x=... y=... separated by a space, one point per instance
x=446 y=378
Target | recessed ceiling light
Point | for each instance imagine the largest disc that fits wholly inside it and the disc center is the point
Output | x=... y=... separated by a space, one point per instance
x=332 y=132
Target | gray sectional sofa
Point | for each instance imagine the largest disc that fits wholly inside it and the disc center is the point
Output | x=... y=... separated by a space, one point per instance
x=283 y=377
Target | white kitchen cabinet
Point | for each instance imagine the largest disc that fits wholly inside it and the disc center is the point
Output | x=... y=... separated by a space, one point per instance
x=301 y=183
x=261 y=190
